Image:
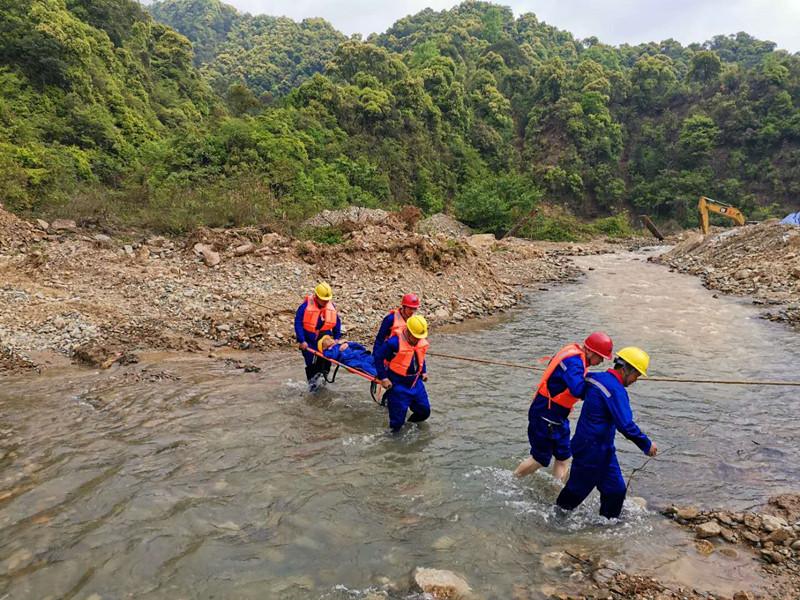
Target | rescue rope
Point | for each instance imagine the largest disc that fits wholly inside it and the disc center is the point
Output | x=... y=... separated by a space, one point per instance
x=653 y=378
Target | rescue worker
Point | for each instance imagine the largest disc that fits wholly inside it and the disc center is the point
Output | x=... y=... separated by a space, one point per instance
x=561 y=386
x=606 y=410
x=400 y=362
x=316 y=317
x=395 y=322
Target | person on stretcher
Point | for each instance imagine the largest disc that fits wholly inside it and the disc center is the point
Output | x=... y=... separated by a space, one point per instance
x=351 y=354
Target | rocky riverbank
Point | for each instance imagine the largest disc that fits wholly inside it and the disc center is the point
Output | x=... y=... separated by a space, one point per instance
x=761 y=261
x=771 y=535
x=72 y=291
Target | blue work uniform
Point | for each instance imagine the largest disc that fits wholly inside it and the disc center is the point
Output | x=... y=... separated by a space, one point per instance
x=407 y=391
x=606 y=410
x=355 y=355
x=313 y=364
x=384 y=331
x=548 y=427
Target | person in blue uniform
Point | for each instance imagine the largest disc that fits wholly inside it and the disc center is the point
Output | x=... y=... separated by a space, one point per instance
x=395 y=322
x=560 y=388
x=400 y=362
x=606 y=410
x=351 y=354
x=316 y=317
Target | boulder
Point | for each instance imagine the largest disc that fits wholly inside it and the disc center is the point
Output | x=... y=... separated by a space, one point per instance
x=687 y=513
x=440 y=584
x=441 y=313
x=482 y=241
x=64 y=225
x=207 y=253
x=43 y=225
x=246 y=248
x=707 y=529
x=102 y=238
x=770 y=523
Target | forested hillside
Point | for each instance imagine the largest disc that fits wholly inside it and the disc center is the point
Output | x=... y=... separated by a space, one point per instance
x=469 y=110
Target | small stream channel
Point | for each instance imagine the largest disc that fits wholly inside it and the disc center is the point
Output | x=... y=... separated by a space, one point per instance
x=183 y=477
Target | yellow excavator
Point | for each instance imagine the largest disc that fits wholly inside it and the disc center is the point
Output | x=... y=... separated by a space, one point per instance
x=706 y=205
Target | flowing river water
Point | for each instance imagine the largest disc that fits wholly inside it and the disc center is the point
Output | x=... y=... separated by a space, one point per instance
x=183 y=477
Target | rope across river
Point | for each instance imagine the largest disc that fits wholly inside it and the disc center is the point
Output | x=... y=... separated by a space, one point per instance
x=501 y=363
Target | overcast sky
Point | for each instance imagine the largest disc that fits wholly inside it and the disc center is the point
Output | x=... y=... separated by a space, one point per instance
x=613 y=21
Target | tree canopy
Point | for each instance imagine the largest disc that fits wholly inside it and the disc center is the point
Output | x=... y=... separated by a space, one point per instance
x=469 y=110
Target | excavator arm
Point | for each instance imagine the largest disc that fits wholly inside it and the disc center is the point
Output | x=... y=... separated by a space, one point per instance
x=706 y=205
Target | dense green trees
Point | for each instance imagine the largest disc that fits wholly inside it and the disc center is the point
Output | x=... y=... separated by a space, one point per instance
x=469 y=110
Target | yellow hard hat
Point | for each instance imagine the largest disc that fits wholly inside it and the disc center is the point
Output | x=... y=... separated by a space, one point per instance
x=417 y=326
x=323 y=291
x=321 y=340
x=635 y=357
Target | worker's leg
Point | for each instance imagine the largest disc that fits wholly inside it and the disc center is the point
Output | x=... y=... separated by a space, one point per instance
x=541 y=445
x=311 y=367
x=612 y=490
x=397 y=400
x=419 y=405
x=559 y=435
x=580 y=484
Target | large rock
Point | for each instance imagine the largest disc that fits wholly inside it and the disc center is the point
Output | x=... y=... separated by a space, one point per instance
x=207 y=253
x=482 y=241
x=442 y=585
x=245 y=248
x=687 y=513
x=770 y=523
x=707 y=529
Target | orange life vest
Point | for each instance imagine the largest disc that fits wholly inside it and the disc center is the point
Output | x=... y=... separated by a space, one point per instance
x=312 y=314
x=565 y=398
x=402 y=360
x=399 y=324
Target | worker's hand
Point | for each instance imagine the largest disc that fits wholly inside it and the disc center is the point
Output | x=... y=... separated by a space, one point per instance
x=424 y=377
x=653 y=450
x=302 y=346
x=386 y=384
x=343 y=346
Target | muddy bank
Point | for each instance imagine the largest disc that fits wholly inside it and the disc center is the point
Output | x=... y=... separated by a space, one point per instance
x=69 y=290
x=760 y=261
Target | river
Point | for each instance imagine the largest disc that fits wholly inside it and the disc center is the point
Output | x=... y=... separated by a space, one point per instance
x=183 y=477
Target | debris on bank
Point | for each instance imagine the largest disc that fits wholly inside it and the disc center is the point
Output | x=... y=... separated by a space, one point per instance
x=65 y=286
x=761 y=261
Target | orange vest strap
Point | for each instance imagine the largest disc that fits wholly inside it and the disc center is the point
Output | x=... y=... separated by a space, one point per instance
x=565 y=398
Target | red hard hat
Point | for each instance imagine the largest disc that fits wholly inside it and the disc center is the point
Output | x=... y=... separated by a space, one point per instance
x=410 y=300
x=600 y=343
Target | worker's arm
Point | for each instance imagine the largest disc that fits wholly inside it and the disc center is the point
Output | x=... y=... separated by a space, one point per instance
x=298 y=324
x=620 y=407
x=383 y=331
x=337 y=329
x=386 y=352
x=572 y=371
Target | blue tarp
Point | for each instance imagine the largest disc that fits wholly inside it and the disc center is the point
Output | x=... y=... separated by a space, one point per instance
x=792 y=219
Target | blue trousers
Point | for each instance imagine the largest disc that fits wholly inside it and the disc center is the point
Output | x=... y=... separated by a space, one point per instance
x=595 y=467
x=400 y=398
x=547 y=439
